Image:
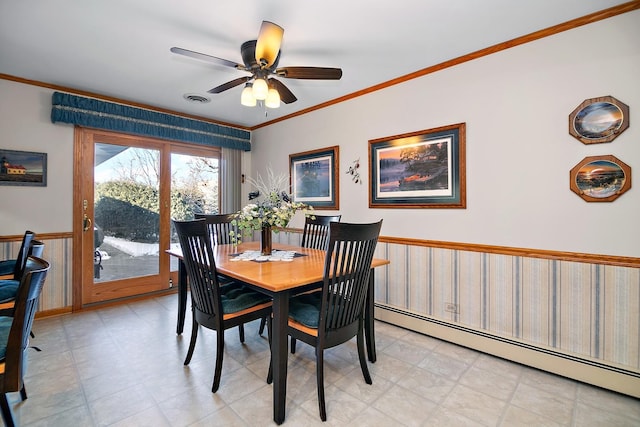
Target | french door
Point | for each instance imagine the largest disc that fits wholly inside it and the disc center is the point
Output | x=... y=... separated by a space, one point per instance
x=126 y=191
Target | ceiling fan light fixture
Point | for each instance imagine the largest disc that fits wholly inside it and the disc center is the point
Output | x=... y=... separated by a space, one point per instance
x=268 y=44
x=273 y=99
x=246 y=98
x=260 y=89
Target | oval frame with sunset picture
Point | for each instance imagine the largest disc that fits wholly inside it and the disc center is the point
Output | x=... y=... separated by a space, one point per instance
x=600 y=178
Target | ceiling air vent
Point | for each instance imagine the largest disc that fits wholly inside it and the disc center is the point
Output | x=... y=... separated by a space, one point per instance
x=192 y=97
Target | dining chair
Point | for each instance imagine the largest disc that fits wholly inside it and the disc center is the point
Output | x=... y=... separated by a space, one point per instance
x=9 y=284
x=219 y=227
x=335 y=314
x=214 y=306
x=14 y=334
x=315 y=235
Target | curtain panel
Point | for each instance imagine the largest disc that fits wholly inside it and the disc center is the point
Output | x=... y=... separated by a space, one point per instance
x=231 y=180
x=90 y=112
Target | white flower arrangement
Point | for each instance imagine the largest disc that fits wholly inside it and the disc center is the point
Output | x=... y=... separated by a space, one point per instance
x=271 y=207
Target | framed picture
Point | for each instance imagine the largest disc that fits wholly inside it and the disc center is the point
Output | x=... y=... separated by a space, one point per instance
x=23 y=168
x=600 y=178
x=599 y=120
x=424 y=169
x=314 y=177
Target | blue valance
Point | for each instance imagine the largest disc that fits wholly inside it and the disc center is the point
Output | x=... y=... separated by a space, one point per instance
x=90 y=112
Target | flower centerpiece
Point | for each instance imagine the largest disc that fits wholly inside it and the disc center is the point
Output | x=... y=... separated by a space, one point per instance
x=270 y=206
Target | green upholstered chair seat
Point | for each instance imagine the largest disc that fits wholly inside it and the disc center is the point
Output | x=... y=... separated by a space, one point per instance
x=8 y=289
x=305 y=308
x=5 y=328
x=237 y=297
x=7 y=266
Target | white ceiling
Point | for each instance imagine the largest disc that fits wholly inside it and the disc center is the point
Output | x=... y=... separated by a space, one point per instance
x=120 y=48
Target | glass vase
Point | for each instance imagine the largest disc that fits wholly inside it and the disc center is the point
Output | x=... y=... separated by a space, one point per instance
x=265 y=240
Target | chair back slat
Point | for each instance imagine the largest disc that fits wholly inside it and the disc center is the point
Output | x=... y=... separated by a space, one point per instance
x=23 y=253
x=315 y=234
x=219 y=227
x=197 y=251
x=346 y=274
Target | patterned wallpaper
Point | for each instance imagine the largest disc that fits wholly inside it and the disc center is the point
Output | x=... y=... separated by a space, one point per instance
x=587 y=310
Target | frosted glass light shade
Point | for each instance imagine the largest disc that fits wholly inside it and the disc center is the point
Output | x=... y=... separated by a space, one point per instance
x=260 y=89
x=246 y=98
x=273 y=99
x=268 y=44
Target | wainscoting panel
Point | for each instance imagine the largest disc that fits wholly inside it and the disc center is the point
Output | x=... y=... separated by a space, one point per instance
x=587 y=312
x=578 y=319
x=56 y=293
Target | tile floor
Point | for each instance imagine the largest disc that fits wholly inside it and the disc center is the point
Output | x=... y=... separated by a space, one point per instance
x=122 y=366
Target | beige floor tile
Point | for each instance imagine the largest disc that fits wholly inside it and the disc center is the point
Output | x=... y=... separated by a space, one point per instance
x=501 y=387
x=474 y=405
x=518 y=417
x=96 y=369
x=432 y=386
x=551 y=405
x=405 y=406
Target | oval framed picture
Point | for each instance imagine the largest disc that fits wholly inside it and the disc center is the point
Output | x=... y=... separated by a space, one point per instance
x=600 y=178
x=599 y=120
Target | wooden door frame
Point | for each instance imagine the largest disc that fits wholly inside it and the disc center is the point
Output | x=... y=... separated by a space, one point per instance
x=80 y=183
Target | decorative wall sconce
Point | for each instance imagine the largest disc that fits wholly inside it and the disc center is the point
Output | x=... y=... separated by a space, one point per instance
x=353 y=171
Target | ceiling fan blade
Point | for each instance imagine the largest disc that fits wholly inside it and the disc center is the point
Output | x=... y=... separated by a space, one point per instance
x=286 y=95
x=208 y=58
x=310 y=73
x=229 y=85
x=268 y=44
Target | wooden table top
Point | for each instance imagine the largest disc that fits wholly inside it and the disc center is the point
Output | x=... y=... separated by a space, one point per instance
x=273 y=276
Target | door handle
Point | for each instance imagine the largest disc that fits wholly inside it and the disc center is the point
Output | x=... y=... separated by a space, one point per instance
x=86 y=223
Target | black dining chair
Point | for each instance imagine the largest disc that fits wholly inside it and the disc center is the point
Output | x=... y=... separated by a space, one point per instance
x=214 y=306
x=14 y=334
x=335 y=314
x=9 y=285
x=315 y=235
x=220 y=227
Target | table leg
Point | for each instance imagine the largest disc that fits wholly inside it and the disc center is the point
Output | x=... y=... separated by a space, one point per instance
x=182 y=296
x=369 y=332
x=279 y=354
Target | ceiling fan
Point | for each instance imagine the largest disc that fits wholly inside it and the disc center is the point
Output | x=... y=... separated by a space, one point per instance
x=260 y=58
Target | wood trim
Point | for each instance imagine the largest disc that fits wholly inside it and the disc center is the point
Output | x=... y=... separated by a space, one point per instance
x=76 y=250
x=113 y=303
x=620 y=261
x=569 y=25
x=53 y=312
x=39 y=236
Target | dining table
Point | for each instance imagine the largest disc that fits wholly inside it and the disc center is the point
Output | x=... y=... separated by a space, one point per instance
x=279 y=279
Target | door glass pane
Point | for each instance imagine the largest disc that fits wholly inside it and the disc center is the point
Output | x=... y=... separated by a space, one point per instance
x=194 y=189
x=126 y=212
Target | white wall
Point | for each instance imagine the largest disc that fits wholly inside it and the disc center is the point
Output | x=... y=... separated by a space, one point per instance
x=25 y=125
x=516 y=105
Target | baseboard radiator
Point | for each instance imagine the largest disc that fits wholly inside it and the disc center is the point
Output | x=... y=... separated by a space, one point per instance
x=564 y=364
